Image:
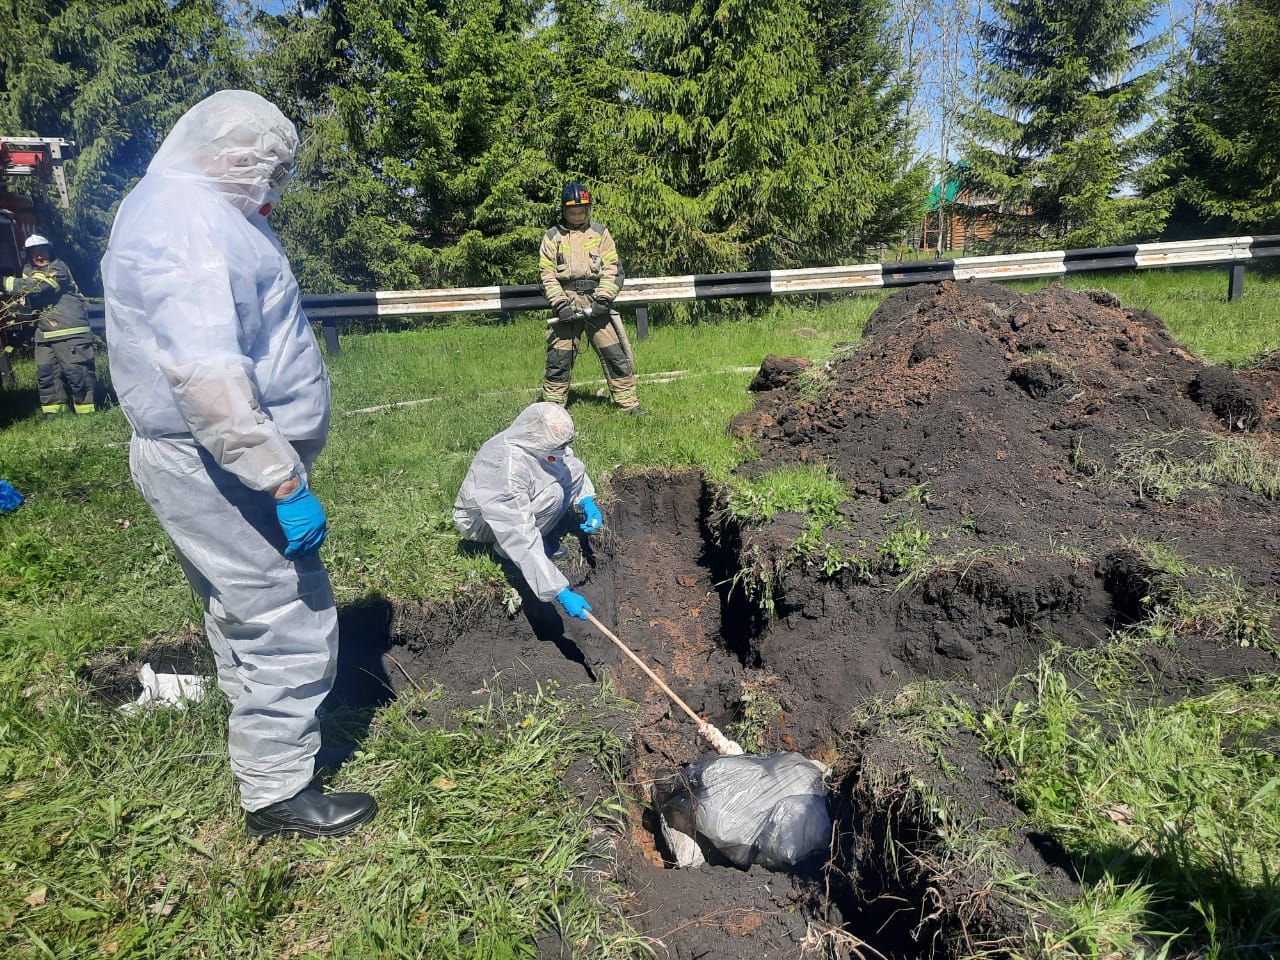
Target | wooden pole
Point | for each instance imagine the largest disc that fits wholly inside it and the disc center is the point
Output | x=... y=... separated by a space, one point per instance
x=722 y=744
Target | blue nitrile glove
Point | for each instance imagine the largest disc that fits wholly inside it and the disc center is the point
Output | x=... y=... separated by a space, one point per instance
x=10 y=499
x=590 y=514
x=302 y=519
x=575 y=605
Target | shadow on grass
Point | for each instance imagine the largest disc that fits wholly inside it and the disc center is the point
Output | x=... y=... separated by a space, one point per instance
x=585 y=399
x=1215 y=909
x=361 y=685
x=17 y=403
x=544 y=617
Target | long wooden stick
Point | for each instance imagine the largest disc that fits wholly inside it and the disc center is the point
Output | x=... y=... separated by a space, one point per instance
x=722 y=744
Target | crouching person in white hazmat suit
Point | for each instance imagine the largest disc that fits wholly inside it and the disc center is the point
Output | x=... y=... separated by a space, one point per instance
x=222 y=381
x=519 y=487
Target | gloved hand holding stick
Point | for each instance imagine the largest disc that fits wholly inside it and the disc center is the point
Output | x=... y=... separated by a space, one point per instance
x=722 y=744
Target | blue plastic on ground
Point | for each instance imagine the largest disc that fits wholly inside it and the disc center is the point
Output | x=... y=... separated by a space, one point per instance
x=10 y=499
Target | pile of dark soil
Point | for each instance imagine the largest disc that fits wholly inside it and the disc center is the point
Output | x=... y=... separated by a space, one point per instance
x=995 y=423
x=999 y=436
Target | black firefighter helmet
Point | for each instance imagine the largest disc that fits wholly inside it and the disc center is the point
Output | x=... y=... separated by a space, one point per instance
x=574 y=198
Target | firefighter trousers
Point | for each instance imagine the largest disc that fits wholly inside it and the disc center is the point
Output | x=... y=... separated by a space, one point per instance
x=563 y=340
x=65 y=374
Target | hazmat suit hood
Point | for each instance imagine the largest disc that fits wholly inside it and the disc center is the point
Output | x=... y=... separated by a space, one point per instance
x=541 y=429
x=236 y=142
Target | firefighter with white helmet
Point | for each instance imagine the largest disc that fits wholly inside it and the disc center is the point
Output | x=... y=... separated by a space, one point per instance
x=65 y=360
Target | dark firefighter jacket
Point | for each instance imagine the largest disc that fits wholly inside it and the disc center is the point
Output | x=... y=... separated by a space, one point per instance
x=51 y=291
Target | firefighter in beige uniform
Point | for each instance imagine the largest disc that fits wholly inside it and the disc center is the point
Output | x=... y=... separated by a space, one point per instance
x=579 y=267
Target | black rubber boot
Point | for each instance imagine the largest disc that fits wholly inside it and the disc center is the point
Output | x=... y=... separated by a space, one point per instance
x=311 y=813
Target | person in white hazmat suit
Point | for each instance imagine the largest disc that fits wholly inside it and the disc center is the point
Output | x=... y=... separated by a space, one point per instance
x=221 y=378
x=518 y=488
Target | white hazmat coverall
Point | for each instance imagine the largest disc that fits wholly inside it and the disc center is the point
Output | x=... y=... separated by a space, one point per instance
x=221 y=378
x=519 y=486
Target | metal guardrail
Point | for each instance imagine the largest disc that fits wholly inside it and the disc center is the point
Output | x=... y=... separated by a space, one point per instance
x=332 y=308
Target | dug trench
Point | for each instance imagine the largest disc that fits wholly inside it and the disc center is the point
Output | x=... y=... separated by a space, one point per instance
x=659 y=577
x=663 y=576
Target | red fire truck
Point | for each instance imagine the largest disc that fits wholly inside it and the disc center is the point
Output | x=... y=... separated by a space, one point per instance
x=39 y=157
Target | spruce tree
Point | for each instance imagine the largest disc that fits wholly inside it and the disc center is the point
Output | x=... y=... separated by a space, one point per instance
x=341 y=220
x=1222 y=141
x=114 y=77
x=755 y=135
x=1055 y=146
x=449 y=95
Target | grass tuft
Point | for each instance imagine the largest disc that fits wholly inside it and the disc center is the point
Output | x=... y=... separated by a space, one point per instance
x=1224 y=609
x=1212 y=602
x=1165 y=465
x=758 y=711
x=812 y=490
x=905 y=547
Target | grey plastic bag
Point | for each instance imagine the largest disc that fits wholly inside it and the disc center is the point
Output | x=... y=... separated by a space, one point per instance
x=768 y=810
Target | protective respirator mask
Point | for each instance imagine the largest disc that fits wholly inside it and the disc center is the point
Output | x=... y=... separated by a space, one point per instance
x=269 y=202
x=252 y=185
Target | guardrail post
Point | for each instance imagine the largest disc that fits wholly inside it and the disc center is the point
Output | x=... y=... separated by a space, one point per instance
x=642 y=322
x=1235 y=286
x=331 y=345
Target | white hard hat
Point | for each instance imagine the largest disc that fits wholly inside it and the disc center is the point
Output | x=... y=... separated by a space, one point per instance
x=35 y=240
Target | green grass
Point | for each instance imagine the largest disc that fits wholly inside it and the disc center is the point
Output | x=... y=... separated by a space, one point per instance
x=1169 y=811
x=905 y=548
x=758 y=711
x=1164 y=465
x=1212 y=603
x=817 y=495
x=1220 y=608
x=1173 y=809
x=812 y=490
x=120 y=837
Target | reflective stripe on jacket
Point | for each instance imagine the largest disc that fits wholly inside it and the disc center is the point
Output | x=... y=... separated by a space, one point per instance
x=52 y=291
x=586 y=254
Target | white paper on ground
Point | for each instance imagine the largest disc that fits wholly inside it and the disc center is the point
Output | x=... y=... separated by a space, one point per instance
x=167 y=690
